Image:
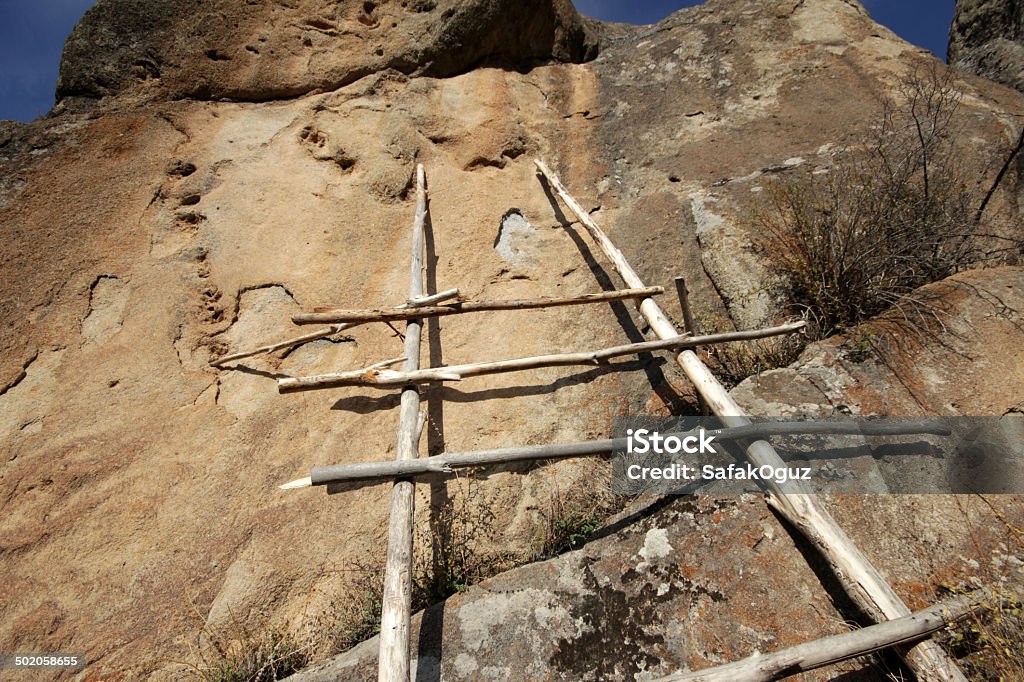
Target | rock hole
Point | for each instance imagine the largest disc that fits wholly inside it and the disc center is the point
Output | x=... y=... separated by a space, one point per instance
x=321 y=24
x=217 y=56
x=368 y=18
x=250 y=48
x=379 y=52
x=181 y=169
x=191 y=218
x=191 y=200
x=483 y=162
x=514 y=148
x=673 y=178
x=344 y=161
x=311 y=135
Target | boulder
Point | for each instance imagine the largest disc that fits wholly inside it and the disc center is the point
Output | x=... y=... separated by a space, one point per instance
x=987 y=38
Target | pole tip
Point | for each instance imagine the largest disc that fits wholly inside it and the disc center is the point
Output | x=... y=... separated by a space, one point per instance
x=298 y=483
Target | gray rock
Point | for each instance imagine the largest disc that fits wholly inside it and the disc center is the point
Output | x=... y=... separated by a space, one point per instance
x=654 y=594
x=986 y=39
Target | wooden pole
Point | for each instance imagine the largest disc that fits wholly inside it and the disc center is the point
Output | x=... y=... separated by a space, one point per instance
x=862 y=581
x=330 y=331
x=377 y=472
x=684 y=305
x=305 y=338
x=829 y=650
x=420 y=301
x=396 y=611
x=381 y=378
x=691 y=327
x=331 y=315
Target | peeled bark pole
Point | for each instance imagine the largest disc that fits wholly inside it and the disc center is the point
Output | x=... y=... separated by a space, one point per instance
x=369 y=473
x=382 y=378
x=328 y=315
x=830 y=650
x=330 y=331
x=396 y=612
x=862 y=581
x=691 y=326
x=305 y=338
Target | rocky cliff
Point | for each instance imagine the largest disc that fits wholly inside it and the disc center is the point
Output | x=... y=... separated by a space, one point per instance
x=986 y=39
x=213 y=168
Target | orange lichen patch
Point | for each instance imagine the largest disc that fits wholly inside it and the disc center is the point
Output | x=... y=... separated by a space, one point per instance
x=752 y=537
x=657 y=407
x=869 y=400
x=801 y=53
x=689 y=572
x=916 y=594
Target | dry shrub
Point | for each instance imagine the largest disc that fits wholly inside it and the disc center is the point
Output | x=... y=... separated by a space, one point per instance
x=990 y=644
x=734 y=362
x=572 y=518
x=455 y=550
x=890 y=216
x=357 y=615
x=240 y=653
x=457 y=547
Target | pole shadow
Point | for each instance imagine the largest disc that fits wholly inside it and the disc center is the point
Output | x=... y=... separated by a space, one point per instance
x=431 y=631
x=677 y=403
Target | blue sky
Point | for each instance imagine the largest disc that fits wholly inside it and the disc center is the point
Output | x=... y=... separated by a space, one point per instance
x=32 y=34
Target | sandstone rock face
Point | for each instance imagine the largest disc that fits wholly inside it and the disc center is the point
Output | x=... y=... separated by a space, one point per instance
x=151 y=227
x=272 y=49
x=986 y=38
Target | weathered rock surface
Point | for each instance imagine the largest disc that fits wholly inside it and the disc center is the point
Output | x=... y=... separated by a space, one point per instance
x=987 y=38
x=273 y=49
x=932 y=365
x=156 y=227
x=657 y=592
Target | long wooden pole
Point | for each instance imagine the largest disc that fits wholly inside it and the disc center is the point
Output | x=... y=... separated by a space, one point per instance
x=332 y=315
x=690 y=326
x=829 y=650
x=330 y=331
x=383 y=378
x=377 y=472
x=862 y=581
x=295 y=341
x=396 y=611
